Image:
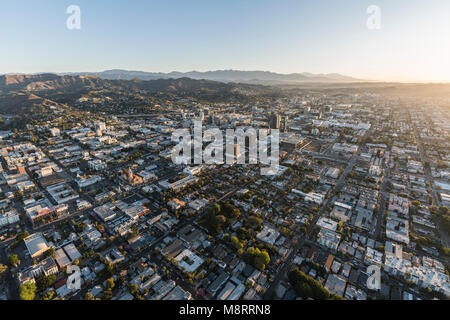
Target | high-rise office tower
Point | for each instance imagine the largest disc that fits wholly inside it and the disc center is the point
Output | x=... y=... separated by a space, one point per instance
x=274 y=121
x=284 y=123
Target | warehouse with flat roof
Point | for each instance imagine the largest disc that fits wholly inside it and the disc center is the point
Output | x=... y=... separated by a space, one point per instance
x=36 y=244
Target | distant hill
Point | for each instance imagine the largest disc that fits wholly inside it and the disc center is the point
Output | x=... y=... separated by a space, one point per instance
x=48 y=81
x=45 y=81
x=252 y=77
x=51 y=85
x=22 y=103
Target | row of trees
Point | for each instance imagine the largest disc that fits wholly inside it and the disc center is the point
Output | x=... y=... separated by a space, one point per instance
x=444 y=215
x=307 y=287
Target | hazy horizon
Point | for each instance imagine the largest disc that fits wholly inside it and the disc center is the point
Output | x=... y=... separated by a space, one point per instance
x=203 y=71
x=412 y=44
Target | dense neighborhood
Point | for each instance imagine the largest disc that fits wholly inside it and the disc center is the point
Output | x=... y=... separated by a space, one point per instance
x=363 y=180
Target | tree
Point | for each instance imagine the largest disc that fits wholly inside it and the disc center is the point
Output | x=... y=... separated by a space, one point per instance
x=221 y=219
x=255 y=223
x=134 y=289
x=107 y=294
x=22 y=235
x=48 y=295
x=415 y=203
x=14 y=260
x=230 y=211
x=235 y=213
x=259 y=201
x=215 y=208
x=27 y=291
x=307 y=287
x=45 y=282
x=3 y=270
x=18 y=194
x=214 y=223
x=256 y=257
x=110 y=283
x=236 y=243
x=262 y=259
x=443 y=210
x=50 y=253
x=89 y=296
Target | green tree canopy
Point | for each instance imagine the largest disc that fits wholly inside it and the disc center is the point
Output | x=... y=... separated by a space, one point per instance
x=14 y=260
x=27 y=291
x=256 y=257
x=110 y=283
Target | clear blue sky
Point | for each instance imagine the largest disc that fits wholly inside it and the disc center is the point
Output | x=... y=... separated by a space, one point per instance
x=319 y=36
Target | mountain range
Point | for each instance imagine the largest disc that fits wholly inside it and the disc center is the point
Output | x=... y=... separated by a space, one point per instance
x=15 y=90
x=184 y=85
x=251 y=77
x=45 y=81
